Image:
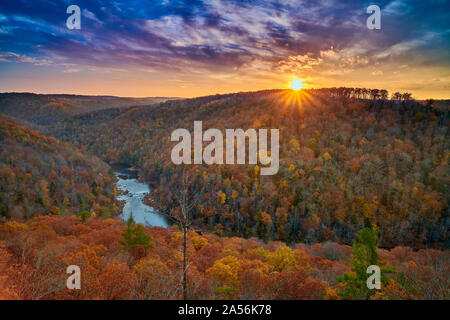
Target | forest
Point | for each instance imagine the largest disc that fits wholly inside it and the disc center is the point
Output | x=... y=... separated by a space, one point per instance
x=346 y=156
x=43 y=109
x=41 y=175
x=359 y=170
x=147 y=265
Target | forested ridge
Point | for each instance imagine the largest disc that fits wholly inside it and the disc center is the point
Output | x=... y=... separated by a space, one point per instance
x=43 y=109
x=41 y=175
x=347 y=156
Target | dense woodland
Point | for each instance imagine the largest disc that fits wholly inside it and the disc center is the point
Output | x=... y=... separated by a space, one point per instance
x=347 y=156
x=117 y=267
x=44 y=109
x=354 y=165
x=41 y=175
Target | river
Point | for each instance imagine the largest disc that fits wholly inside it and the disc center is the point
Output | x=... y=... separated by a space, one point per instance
x=135 y=192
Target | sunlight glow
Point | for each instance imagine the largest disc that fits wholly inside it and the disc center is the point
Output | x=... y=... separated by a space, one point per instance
x=296 y=84
x=296 y=101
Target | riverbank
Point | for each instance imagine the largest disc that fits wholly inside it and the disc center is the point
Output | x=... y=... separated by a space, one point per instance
x=133 y=193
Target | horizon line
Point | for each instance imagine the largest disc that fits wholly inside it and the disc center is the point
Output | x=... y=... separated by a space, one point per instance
x=193 y=97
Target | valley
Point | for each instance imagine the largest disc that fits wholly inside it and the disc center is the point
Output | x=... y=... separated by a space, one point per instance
x=347 y=165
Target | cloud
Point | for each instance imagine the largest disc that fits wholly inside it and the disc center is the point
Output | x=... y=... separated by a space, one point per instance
x=314 y=38
x=71 y=70
x=14 y=57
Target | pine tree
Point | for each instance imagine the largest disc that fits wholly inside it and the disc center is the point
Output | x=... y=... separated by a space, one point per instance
x=135 y=239
x=353 y=285
x=83 y=213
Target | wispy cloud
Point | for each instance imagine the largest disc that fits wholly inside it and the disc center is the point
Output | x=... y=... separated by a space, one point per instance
x=310 y=38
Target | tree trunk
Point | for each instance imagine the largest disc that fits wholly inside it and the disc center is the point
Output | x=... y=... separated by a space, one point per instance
x=184 y=265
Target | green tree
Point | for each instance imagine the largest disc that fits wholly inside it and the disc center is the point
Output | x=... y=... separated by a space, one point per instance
x=353 y=285
x=135 y=239
x=83 y=213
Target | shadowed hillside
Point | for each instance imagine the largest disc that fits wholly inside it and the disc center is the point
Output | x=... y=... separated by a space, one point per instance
x=41 y=175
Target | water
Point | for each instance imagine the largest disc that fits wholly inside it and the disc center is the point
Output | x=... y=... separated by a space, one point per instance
x=142 y=213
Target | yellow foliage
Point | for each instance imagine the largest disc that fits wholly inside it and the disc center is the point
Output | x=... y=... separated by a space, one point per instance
x=66 y=202
x=150 y=269
x=312 y=143
x=225 y=270
x=176 y=236
x=230 y=252
x=283 y=183
x=199 y=242
x=266 y=218
x=111 y=221
x=379 y=296
x=12 y=226
x=315 y=219
x=331 y=294
x=55 y=210
x=260 y=251
x=281 y=258
x=222 y=197
x=256 y=169
x=294 y=145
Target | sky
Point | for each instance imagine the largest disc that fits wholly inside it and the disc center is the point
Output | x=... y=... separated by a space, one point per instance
x=202 y=47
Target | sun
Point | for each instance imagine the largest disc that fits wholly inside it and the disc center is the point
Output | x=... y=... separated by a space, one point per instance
x=296 y=84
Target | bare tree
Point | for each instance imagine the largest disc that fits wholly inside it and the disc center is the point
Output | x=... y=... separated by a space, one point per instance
x=187 y=203
x=186 y=198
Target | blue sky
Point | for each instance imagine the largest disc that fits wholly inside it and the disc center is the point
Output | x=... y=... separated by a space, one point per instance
x=190 y=48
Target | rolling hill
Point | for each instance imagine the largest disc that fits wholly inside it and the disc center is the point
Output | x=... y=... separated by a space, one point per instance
x=345 y=161
x=44 y=109
x=40 y=175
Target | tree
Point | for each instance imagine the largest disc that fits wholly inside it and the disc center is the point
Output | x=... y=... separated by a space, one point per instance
x=83 y=213
x=353 y=285
x=154 y=280
x=406 y=97
x=397 y=96
x=187 y=199
x=384 y=94
x=136 y=239
x=224 y=273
